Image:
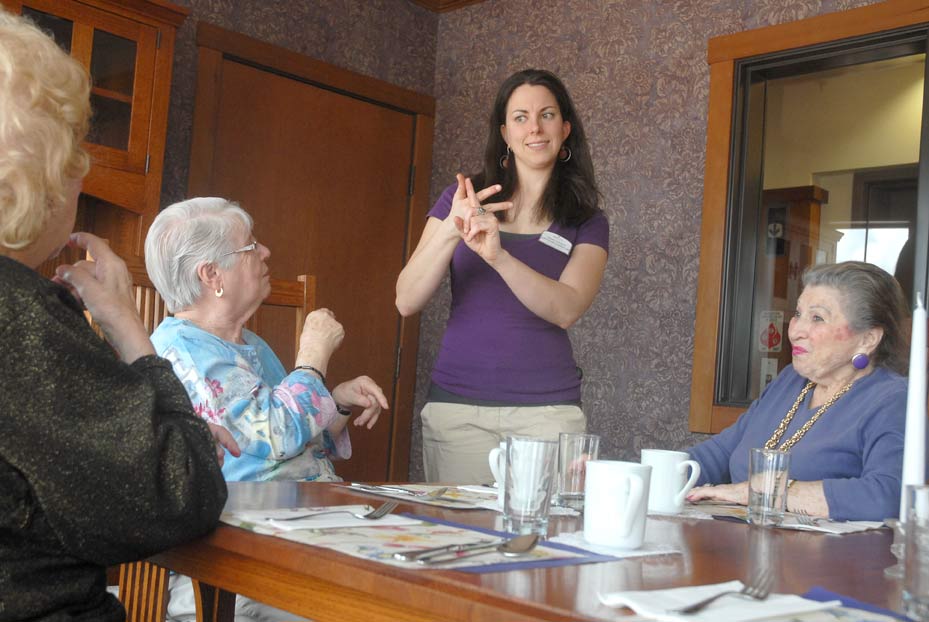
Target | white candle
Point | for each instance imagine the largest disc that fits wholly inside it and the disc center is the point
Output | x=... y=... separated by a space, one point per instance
x=914 y=444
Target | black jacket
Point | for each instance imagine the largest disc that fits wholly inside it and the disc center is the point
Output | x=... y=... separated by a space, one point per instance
x=100 y=462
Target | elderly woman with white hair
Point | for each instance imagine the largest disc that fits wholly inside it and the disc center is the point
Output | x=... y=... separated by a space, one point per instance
x=212 y=275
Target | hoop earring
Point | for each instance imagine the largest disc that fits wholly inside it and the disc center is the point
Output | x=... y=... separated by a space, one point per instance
x=505 y=158
x=564 y=154
x=219 y=293
x=860 y=360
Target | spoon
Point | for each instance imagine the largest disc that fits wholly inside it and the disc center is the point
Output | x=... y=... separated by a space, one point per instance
x=520 y=545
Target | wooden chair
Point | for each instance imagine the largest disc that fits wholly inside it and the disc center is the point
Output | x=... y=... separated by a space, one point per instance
x=143 y=586
x=279 y=321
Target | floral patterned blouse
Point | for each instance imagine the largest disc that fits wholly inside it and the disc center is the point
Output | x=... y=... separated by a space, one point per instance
x=278 y=419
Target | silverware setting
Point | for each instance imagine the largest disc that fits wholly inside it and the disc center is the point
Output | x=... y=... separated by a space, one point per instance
x=758 y=589
x=438 y=493
x=510 y=547
x=372 y=514
x=804 y=518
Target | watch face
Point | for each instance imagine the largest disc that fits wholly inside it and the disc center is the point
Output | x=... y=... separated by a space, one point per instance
x=775 y=230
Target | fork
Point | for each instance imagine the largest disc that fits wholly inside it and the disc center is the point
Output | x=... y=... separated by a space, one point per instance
x=805 y=519
x=758 y=589
x=374 y=514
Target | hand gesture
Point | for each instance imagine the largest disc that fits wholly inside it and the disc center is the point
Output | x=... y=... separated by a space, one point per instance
x=481 y=229
x=104 y=287
x=467 y=203
x=321 y=336
x=364 y=392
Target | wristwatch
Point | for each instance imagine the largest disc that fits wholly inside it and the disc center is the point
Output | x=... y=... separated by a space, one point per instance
x=344 y=411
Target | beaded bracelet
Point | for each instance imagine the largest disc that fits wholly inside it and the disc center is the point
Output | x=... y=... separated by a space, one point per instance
x=321 y=375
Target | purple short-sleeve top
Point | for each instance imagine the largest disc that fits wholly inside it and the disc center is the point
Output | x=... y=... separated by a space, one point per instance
x=495 y=349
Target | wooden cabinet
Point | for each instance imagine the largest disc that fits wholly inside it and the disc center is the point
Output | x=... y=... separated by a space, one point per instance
x=128 y=47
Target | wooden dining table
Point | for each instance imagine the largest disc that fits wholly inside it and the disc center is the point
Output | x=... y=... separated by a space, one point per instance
x=325 y=585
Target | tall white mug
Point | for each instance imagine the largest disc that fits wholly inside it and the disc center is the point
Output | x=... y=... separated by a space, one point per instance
x=497 y=461
x=670 y=482
x=616 y=503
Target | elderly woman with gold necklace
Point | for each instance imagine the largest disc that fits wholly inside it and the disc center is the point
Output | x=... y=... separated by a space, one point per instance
x=840 y=408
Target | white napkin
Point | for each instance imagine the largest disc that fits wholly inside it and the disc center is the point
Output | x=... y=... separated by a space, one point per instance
x=491 y=502
x=480 y=489
x=325 y=521
x=831 y=526
x=576 y=539
x=656 y=604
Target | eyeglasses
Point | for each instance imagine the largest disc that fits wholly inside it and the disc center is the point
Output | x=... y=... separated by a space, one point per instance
x=244 y=249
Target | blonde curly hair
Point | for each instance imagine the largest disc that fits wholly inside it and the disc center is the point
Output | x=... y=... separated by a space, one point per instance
x=44 y=117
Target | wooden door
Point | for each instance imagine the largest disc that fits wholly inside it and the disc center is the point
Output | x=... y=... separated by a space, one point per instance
x=326 y=175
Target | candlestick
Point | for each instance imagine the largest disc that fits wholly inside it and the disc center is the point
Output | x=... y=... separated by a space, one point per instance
x=914 y=444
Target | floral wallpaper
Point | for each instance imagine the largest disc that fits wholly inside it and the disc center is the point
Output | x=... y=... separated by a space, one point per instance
x=638 y=75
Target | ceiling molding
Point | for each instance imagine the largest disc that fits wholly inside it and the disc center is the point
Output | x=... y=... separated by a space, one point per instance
x=443 y=6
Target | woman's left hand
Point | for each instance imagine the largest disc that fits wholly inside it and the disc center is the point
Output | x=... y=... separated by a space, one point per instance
x=223 y=440
x=725 y=493
x=364 y=392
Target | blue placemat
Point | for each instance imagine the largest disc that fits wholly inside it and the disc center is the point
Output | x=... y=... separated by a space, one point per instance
x=586 y=557
x=822 y=594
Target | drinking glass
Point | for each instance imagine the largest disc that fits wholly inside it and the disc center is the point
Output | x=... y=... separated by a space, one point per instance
x=497 y=461
x=896 y=548
x=916 y=555
x=574 y=450
x=530 y=478
x=767 y=486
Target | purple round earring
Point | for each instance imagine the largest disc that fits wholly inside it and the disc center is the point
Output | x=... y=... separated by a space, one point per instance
x=860 y=360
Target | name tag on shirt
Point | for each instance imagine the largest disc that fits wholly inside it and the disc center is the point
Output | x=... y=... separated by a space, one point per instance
x=556 y=241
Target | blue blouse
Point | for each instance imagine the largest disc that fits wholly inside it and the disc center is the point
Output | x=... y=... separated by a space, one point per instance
x=855 y=448
x=279 y=420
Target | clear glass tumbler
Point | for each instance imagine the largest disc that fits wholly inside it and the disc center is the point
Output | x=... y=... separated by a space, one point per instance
x=767 y=486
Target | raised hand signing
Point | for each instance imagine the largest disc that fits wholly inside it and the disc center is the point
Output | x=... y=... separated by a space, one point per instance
x=478 y=225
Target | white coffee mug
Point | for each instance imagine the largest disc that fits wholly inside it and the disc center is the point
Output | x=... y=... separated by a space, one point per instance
x=616 y=503
x=670 y=483
x=497 y=461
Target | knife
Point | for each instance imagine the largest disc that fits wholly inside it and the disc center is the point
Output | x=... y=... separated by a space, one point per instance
x=425 y=554
x=390 y=489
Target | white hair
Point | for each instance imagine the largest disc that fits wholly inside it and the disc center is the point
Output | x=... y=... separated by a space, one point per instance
x=183 y=237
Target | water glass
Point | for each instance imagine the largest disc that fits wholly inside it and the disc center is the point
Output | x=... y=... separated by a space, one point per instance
x=574 y=450
x=767 y=486
x=496 y=459
x=916 y=556
x=530 y=479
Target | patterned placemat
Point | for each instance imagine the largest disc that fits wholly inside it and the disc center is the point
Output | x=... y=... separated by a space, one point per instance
x=379 y=543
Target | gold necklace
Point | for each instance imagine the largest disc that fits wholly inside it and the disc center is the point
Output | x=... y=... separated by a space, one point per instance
x=782 y=426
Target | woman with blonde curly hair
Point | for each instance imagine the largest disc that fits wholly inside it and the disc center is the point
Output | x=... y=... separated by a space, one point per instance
x=101 y=457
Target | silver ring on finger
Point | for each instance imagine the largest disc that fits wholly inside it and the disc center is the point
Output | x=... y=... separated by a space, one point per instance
x=480 y=210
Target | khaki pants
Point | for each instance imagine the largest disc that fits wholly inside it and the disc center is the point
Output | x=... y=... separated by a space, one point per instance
x=458 y=437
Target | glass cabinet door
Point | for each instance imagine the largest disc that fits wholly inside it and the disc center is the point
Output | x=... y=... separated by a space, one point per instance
x=120 y=55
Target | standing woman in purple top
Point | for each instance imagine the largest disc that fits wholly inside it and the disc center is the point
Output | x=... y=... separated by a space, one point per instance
x=524 y=268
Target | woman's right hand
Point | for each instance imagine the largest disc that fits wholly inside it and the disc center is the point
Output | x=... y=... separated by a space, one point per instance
x=465 y=205
x=105 y=288
x=322 y=335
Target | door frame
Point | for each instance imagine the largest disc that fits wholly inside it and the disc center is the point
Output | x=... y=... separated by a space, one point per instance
x=216 y=44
